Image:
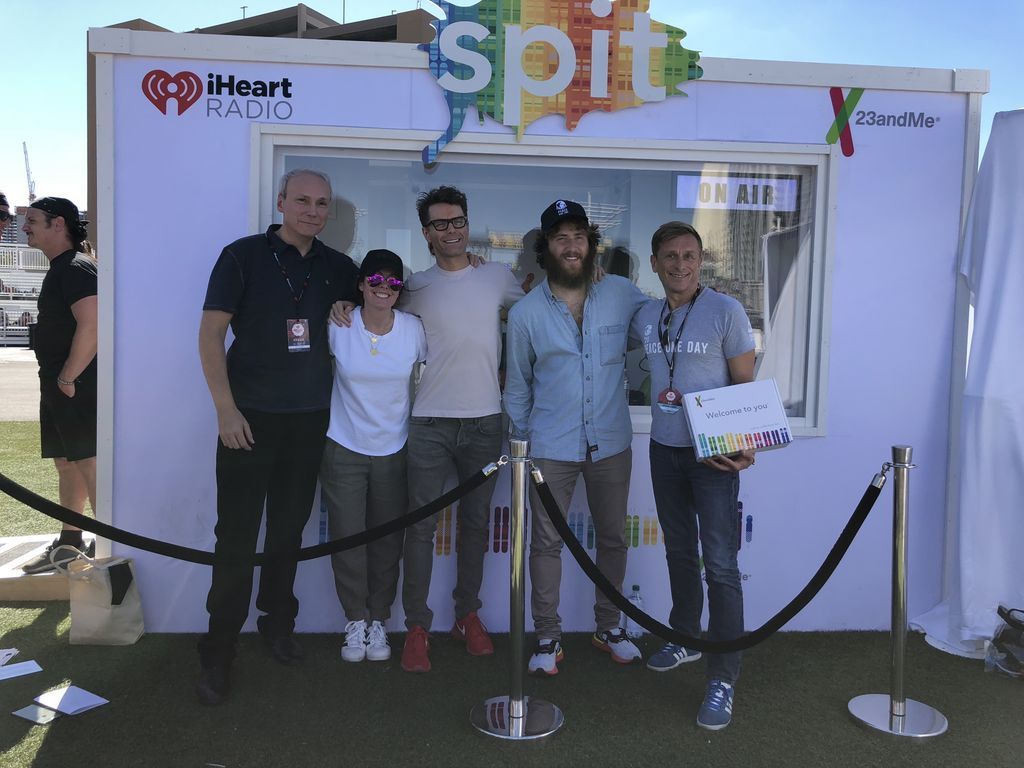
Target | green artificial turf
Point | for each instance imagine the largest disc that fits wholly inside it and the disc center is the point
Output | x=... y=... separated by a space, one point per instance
x=790 y=706
x=19 y=460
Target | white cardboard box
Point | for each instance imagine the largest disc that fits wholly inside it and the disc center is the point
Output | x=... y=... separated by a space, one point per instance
x=727 y=420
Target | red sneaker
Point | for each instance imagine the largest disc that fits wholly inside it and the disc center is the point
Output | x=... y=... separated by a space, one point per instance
x=473 y=633
x=414 y=653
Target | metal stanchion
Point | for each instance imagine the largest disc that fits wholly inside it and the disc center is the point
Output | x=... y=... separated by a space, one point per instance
x=516 y=716
x=894 y=713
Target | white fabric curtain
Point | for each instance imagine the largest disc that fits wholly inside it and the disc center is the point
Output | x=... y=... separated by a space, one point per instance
x=986 y=559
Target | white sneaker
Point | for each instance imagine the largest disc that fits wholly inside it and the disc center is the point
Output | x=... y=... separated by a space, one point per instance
x=545 y=659
x=615 y=642
x=354 y=648
x=377 y=646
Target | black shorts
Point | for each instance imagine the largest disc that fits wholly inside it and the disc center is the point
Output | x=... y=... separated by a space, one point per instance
x=67 y=425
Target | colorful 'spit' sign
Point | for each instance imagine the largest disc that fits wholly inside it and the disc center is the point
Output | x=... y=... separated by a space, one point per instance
x=520 y=60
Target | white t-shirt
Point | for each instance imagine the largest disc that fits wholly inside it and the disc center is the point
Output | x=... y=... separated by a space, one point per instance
x=370 y=398
x=460 y=314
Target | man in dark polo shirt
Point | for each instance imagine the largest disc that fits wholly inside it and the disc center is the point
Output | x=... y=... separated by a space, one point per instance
x=65 y=347
x=272 y=392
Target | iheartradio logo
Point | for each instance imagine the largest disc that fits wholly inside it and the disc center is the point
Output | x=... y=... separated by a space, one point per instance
x=160 y=87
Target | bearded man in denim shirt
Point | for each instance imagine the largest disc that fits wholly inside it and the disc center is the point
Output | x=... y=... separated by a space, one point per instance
x=564 y=390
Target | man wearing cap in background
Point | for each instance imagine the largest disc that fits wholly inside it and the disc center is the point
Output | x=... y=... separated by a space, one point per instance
x=65 y=345
x=564 y=390
x=5 y=212
x=272 y=392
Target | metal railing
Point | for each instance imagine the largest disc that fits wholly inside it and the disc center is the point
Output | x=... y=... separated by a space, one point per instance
x=22 y=257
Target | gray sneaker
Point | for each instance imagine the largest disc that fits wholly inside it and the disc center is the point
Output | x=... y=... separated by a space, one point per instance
x=671 y=656
x=42 y=563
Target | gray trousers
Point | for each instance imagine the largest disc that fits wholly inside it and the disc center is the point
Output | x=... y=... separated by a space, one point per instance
x=436 y=447
x=363 y=492
x=607 y=485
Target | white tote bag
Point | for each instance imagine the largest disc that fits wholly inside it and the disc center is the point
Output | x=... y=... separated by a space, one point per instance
x=106 y=608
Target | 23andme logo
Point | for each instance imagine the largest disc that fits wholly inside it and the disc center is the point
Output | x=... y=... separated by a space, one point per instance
x=847 y=114
x=843 y=107
x=160 y=87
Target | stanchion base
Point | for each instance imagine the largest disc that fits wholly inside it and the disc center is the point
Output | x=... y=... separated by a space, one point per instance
x=873 y=710
x=540 y=718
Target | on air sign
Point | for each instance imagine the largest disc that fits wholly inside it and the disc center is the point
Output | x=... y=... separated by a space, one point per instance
x=737 y=193
x=227 y=96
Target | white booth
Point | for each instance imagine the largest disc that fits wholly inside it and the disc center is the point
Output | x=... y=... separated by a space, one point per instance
x=830 y=199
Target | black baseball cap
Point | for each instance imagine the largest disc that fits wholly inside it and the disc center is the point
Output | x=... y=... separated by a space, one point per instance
x=381 y=258
x=562 y=210
x=3 y=200
x=59 y=206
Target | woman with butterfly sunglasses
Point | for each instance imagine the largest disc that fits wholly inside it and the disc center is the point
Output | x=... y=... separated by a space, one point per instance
x=363 y=472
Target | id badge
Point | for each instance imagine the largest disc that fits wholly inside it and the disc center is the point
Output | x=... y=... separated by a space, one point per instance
x=669 y=400
x=298 y=335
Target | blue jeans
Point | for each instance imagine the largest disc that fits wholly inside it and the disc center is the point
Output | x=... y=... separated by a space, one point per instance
x=697 y=502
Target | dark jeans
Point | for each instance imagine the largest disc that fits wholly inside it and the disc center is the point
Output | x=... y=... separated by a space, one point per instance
x=694 y=502
x=280 y=471
x=436 y=447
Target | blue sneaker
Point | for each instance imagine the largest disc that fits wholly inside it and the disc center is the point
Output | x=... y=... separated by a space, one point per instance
x=716 y=711
x=670 y=657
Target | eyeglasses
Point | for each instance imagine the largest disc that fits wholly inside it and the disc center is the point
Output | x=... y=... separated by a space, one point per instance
x=442 y=224
x=4 y=215
x=376 y=280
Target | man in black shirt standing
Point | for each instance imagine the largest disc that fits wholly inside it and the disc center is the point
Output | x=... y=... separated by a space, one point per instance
x=272 y=392
x=65 y=345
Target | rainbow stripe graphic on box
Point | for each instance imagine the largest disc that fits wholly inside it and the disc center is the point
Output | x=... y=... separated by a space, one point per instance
x=520 y=60
x=737 y=418
x=732 y=443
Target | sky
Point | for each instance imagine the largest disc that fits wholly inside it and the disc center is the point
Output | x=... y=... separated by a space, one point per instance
x=44 y=54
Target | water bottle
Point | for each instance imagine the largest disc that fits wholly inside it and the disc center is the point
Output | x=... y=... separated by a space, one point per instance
x=324 y=529
x=632 y=628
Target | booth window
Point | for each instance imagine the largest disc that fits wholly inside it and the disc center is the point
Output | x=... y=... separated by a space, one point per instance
x=757 y=221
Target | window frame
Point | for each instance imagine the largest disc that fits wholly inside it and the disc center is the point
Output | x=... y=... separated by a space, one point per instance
x=271 y=143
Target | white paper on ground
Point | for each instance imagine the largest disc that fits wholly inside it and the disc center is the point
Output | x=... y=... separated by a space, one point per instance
x=70 y=699
x=37 y=714
x=17 y=670
x=7 y=654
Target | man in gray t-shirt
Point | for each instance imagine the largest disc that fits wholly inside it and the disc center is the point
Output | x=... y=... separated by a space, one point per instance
x=695 y=339
x=456 y=422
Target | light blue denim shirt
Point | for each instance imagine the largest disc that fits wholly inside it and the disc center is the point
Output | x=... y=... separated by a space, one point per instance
x=565 y=389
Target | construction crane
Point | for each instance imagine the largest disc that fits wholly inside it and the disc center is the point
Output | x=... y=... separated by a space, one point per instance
x=28 y=175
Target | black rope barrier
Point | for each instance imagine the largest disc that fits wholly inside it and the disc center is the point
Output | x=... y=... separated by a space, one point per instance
x=743 y=642
x=178 y=552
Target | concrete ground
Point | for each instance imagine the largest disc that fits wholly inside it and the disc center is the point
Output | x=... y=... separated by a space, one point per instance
x=19 y=385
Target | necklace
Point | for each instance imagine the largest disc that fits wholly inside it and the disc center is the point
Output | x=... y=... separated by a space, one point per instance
x=376 y=337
